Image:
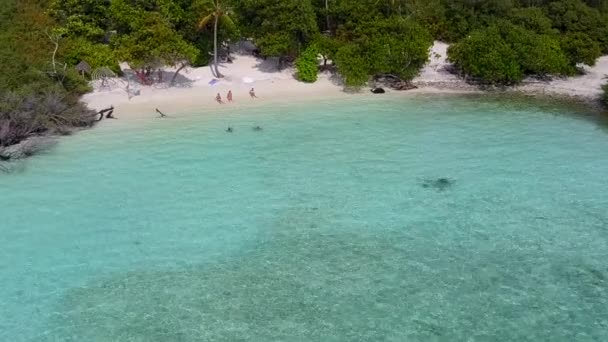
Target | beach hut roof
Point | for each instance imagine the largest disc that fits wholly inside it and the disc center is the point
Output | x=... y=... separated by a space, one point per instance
x=83 y=67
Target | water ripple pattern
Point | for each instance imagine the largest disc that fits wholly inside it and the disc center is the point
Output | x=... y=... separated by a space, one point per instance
x=417 y=219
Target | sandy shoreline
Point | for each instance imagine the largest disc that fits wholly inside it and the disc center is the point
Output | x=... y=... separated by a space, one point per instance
x=195 y=92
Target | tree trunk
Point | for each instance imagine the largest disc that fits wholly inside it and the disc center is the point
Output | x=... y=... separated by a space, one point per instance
x=177 y=72
x=217 y=71
x=327 y=13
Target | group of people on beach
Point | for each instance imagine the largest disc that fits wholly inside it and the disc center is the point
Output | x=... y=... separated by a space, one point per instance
x=219 y=100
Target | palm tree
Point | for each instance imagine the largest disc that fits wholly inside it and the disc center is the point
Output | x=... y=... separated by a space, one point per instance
x=219 y=13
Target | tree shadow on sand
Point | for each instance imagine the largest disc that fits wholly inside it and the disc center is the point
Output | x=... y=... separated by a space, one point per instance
x=268 y=65
x=162 y=80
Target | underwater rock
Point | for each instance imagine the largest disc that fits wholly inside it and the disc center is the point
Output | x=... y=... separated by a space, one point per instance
x=317 y=278
x=439 y=184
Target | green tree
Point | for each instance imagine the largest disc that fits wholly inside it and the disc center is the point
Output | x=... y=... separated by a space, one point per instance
x=31 y=102
x=391 y=7
x=327 y=47
x=486 y=56
x=307 y=65
x=155 y=43
x=574 y=16
x=279 y=28
x=87 y=19
x=580 y=48
x=352 y=66
x=533 y=19
x=504 y=53
x=466 y=16
x=396 y=46
x=349 y=15
x=95 y=54
x=216 y=11
x=538 y=54
x=430 y=14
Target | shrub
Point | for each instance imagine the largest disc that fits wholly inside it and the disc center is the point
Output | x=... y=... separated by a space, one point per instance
x=573 y=16
x=307 y=65
x=533 y=19
x=352 y=66
x=538 y=54
x=35 y=110
x=580 y=48
x=605 y=95
x=504 y=53
x=485 y=55
x=327 y=47
x=391 y=46
x=96 y=55
x=396 y=46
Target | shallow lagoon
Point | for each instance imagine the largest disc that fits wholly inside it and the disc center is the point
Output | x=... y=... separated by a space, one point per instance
x=436 y=218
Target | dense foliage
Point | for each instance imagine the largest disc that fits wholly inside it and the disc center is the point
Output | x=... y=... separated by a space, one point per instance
x=493 y=41
x=307 y=65
x=504 y=53
x=395 y=46
x=532 y=38
x=37 y=96
x=279 y=27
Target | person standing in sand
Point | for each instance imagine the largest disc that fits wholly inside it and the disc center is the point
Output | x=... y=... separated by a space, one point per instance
x=229 y=96
x=252 y=93
x=218 y=98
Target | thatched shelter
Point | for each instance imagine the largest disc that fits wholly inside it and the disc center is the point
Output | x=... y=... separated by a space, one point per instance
x=104 y=76
x=83 y=68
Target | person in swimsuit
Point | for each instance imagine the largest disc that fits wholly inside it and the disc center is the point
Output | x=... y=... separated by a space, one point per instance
x=229 y=96
x=252 y=93
x=218 y=98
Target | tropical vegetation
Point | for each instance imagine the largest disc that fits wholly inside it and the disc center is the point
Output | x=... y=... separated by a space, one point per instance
x=492 y=41
x=39 y=92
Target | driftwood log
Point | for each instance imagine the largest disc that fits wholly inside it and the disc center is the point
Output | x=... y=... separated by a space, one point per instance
x=393 y=82
x=162 y=115
x=109 y=111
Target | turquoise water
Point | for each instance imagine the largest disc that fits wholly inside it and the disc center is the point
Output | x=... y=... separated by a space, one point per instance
x=426 y=219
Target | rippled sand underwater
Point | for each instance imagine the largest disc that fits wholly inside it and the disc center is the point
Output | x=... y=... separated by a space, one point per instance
x=427 y=219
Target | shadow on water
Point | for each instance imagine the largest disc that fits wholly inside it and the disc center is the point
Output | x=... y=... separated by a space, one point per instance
x=310 y=282
x=556 y=105
x=12 y=167
x=439 y=184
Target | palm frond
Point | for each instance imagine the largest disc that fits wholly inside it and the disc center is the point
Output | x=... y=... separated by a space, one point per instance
x=205 y=20
x=227 y=22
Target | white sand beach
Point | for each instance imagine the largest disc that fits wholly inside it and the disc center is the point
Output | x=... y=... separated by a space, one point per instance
x=587 y=86
x=194 y=90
